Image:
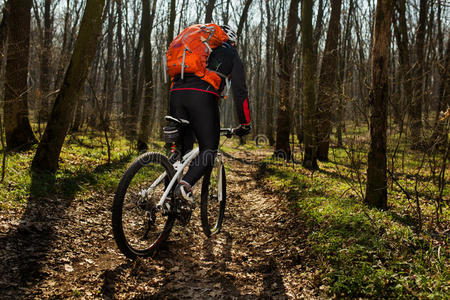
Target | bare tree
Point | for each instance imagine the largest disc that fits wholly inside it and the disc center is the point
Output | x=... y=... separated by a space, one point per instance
x=109 y=83
x=269 y=75
x=47 y=154
x=318 y=29
x=343 y=65
x=4 y=29
x=209 y=11
x=145 y=126
x=19 y=134
x=417 y=97
x=401 y=34
x=170 y=36
x=137 y=79
x=376 y=188
x=309 y=73
x=124 y=73
x=226 y=12
x=71 y=20
x=327 y=87
x=243 y=17
x=286 y=54
x=45 y=78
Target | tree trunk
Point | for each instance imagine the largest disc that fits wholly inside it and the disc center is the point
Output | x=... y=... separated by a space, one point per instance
x=78 y=118
x=109 y=86
x=170 y=30
x=209 y=11
x=170 y=36
x=4 y=28
x=182 y=18
x=286 y=53
x=243 y=17
x=269 y=77
x=19 y=134
x=226 y=12
x=441 y=68
x=318 y=30
x=444 y=90
x=258 y=56
x=440 y=135
x=401 y=34
x=376 y=188
x=135 y=89
x=327 y=87
x=298 y=102
x=45 y=78
x=124 y=74
x=145 y=128
x=47 y=154
x=417 y=97
x=67 y=40
x=309 y=70
x=343 y=62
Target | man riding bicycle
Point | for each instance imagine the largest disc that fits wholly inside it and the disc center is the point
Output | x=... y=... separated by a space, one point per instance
x=194 y=100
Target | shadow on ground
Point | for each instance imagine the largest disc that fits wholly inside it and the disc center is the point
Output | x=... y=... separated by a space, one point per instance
x=25 y=247
x=206 y=275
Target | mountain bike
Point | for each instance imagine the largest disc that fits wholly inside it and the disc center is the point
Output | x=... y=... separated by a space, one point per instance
x=144 y=209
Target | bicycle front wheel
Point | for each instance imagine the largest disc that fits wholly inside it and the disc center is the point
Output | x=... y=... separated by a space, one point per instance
x=213 y=199
x=139 y=227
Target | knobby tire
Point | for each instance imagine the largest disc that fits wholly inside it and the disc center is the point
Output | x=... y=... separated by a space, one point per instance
x=212 y=210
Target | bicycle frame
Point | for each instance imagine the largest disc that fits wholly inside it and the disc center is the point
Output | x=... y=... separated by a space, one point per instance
x=179 y=167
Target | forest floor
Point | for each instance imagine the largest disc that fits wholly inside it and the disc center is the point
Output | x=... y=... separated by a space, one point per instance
x=288 y=233
x=62 y=248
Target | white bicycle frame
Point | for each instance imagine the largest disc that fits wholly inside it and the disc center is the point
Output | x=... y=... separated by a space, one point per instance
x=179 y=167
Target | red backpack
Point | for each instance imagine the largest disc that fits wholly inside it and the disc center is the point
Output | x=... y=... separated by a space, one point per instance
x=189 y=52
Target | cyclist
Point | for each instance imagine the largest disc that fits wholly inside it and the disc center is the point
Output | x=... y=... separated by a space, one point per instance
x=196 y=101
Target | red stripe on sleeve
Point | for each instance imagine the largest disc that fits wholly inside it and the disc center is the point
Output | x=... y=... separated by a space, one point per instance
x=246 y=111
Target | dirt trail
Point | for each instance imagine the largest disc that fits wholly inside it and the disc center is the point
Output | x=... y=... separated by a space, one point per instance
x=253 y=257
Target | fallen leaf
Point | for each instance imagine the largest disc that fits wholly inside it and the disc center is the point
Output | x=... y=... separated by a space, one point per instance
x=68 y=268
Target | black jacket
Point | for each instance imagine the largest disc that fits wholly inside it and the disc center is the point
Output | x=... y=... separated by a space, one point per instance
x=226 y=61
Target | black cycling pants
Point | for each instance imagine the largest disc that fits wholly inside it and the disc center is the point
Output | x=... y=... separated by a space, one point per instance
x=201 y=109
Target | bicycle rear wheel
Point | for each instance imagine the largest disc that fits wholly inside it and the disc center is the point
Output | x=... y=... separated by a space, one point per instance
x=213 y=198
x=139 y=227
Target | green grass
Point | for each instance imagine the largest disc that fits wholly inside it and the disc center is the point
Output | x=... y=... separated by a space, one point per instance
x=362 y=252
x=83 y=168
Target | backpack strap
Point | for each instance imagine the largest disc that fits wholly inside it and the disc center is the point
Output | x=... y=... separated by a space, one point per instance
x=220 y=74
x=227 y=82
x=184 y=57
